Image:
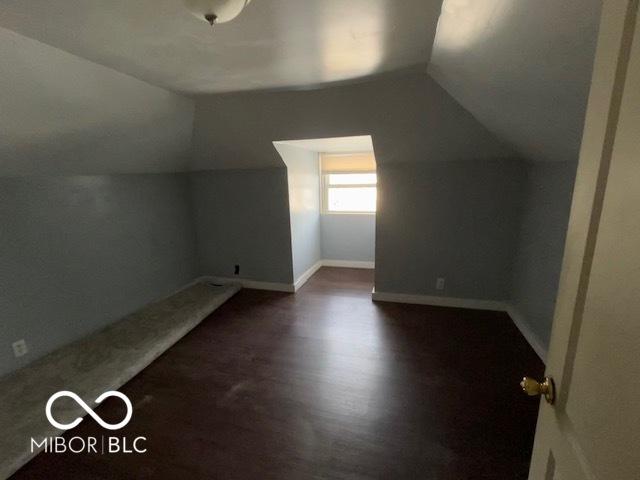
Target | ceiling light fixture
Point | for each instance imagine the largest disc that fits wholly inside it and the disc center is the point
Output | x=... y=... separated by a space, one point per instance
x=216 y=11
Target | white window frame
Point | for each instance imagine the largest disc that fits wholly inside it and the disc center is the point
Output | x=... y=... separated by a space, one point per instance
x=325 y=191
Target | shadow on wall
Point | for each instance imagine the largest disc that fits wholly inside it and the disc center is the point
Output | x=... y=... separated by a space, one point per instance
x=412 y=122
x=242 y=218
x=303 y=182
x=449 y=192
x=333 y=223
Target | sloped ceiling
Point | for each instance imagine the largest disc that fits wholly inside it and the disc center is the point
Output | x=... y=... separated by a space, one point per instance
x=408 y=115
x=60 y=114
x=522 y=67
x=358 y=144
x=272 y=44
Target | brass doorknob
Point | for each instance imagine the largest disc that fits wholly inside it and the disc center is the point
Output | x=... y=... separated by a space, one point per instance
x=534 y=388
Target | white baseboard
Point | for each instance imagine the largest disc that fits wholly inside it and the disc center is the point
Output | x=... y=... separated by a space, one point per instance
x=348 y=264
x=517 y=318
x=522 y=324
x=302 y=279
x=438 y=301
x=254 y=284
x=287 y=287
x=499 y=306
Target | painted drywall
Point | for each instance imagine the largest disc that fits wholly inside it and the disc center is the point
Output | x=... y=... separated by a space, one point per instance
x=242 y=218
x=545 y=215
x=78 y=252
x=410 y=117
x=412 y=120
x=342 y=237
x=60 y=114
x=357 y=144
x=274 y=43
x=303 y=179
x=349 y=237
x=83 y=245
x=522 y=67
x=456 y=220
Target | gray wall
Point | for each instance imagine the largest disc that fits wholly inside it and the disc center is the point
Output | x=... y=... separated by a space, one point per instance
x=85 y=247
x=410 y=117
x=81 y=251
x=242 y=217
x=455 y=220
x=412 y=121
x=545 y=215
x=303 y=174
x=78 y=252
x=348 y=237
x=523 y=68
x=60 y=114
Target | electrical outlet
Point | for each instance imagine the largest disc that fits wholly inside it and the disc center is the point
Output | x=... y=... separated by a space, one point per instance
x=236 y=270
x=440 y=284
x=20 y=348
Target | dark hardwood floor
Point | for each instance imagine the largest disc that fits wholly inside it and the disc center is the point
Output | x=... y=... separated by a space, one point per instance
x=324 y=384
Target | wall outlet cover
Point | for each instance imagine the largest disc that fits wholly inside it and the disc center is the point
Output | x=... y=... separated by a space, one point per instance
x=20 y=348
x=440 y=284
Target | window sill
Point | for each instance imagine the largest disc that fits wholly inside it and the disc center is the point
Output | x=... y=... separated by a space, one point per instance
x=349 y=213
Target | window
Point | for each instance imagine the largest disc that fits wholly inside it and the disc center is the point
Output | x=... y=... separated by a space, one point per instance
x=350 y=192
x=349 y=182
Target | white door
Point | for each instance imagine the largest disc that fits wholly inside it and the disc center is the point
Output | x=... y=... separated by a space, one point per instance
x=592 y=431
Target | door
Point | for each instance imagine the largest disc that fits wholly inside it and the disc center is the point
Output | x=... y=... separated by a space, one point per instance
x=592 y=431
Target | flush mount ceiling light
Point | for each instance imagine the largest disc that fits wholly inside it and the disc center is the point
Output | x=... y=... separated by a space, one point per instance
x=216 y=11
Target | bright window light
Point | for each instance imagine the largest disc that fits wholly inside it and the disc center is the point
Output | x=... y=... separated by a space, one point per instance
x=353 y=179
x=350 y=192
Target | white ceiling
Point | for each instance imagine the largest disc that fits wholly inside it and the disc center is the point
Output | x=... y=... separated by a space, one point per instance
x=521 y=67
x=273 y=44
x=360 y=144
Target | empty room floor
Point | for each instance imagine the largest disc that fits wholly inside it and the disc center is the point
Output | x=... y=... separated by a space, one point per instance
x=325 y=384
